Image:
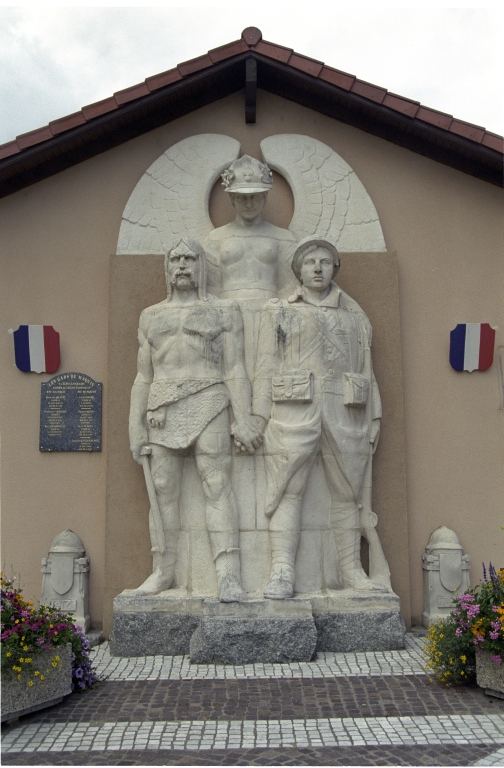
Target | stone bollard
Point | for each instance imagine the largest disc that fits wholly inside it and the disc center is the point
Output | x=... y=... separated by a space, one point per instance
x=446 y=574
x=65 y=580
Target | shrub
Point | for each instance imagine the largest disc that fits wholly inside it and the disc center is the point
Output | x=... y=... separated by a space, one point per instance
x=27 y=631
x=475 y=625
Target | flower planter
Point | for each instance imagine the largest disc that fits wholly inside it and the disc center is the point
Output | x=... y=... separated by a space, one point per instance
x=19 y=698
x=489 y=675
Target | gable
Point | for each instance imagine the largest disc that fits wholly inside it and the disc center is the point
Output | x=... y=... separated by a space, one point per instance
x=246 y=65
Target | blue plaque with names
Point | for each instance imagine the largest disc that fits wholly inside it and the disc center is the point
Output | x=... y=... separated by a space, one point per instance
x=70 y=413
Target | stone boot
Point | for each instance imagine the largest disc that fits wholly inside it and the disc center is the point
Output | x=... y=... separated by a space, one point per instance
x=347 y=544
x=162 y=576
x=227 y=567
x=284 y=546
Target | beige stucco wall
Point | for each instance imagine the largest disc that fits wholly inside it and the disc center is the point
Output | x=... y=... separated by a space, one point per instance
x=447 y=230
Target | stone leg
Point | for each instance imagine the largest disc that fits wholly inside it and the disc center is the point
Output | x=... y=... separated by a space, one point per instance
x=213 y=460
x=346 y=525
x=166 y=469
x=285 y=526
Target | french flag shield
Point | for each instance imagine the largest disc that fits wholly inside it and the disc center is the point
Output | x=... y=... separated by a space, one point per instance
x=472 y=347
x=37 y=348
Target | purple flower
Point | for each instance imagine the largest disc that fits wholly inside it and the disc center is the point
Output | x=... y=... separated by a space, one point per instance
x=458 y=632
x=496 y=659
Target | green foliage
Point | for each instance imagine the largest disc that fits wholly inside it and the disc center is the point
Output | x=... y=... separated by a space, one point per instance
x=475 y=625
x=450 y=658
x=27 y=631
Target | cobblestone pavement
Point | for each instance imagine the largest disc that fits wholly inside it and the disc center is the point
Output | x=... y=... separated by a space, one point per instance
x=342 y=709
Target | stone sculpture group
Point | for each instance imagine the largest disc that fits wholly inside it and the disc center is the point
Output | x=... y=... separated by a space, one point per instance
x=240 y=369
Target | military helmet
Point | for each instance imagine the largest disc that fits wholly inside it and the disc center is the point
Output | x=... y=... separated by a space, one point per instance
x=247 y=176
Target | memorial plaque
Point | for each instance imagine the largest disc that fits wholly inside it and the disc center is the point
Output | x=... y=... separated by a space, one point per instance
x=70 y=413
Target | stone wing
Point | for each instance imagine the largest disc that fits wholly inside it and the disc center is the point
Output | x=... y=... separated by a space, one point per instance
x=171 y=199
x=329 y=199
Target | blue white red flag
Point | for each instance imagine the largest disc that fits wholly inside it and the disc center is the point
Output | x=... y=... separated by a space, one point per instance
x=472 y=347
x=37 y=348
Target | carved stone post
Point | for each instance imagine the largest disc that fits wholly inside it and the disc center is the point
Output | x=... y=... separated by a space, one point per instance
x=65 y=578
x=446 y=574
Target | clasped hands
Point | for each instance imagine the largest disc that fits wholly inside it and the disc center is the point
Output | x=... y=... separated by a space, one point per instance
x=247 y=433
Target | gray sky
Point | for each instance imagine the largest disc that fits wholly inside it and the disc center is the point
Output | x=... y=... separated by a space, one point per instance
x=54 y=60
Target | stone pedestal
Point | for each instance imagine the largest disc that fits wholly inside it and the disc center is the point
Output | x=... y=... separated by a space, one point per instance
x=175 y=623
x=358 y=621
x=155 y=624
x=254 y=632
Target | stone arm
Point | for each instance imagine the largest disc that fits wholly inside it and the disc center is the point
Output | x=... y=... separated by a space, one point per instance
x=140 y=392
x=374 y=408
x=267 y=366
x=246 y=430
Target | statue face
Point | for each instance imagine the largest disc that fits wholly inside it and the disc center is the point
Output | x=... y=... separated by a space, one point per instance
x=317 y=269
x=249 y=206
x=183 y=268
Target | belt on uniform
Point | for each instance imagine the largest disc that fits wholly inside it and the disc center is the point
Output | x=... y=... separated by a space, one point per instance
x=328 y=386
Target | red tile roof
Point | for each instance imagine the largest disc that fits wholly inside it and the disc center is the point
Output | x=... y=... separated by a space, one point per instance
x=251 y=42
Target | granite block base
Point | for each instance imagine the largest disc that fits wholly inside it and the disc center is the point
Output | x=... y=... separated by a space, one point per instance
x=358 y=622
x=151 y=625
x=258 y=631
x=174 y=623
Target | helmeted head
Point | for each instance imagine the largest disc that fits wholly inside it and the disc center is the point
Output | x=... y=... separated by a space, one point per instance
x=185 y=263
x=309 y=245
x=247 y=176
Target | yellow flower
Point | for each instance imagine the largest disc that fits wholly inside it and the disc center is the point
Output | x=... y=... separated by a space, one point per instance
x=42 y=677
x=36 y=673
x=28 y=661
x=56 y=658
x=54 y=664
x=21 y=661
x=19 y=677
x=8 y=654
x=17 y=621
x=30 y=683
x=25 y=648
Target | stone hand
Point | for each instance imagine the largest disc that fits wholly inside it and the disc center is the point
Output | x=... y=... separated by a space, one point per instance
x=157 y=418
x=375 y=433
x=140 y=446
x=247 y=435
x=260 y=422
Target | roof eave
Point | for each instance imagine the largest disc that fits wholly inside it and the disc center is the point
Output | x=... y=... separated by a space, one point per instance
x=219 y=80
